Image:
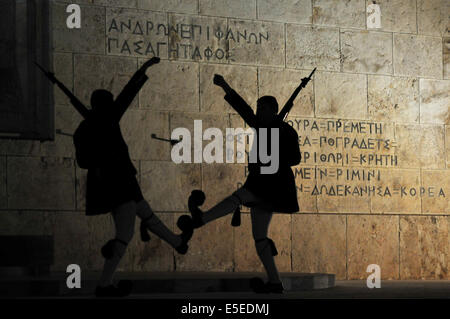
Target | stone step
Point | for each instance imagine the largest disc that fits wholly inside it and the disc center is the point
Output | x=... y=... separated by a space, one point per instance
x=158 y=282
x=26 y=254
x=26 y=251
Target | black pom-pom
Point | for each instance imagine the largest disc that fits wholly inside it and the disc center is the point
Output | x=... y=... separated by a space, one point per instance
x=184 y=223
x=197 y=197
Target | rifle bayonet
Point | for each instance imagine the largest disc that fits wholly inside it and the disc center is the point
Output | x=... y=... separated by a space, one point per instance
x=290 y=103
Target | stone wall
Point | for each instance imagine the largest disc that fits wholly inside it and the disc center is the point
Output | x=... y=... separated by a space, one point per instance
x=374 y=124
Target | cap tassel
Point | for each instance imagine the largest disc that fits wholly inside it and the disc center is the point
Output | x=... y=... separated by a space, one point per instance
x=145 y=236
x=236 y=220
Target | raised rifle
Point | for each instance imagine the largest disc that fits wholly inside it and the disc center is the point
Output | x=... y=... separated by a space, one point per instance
x=236 y=219
x=50 y=75
x=290 y=103
x=73 y=99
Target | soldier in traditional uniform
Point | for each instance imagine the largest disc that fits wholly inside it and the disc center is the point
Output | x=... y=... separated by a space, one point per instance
x=263 y=193
x=111 y=179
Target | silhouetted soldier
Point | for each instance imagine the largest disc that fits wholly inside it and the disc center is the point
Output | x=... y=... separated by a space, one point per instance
x=111 y=179
x=263 y=193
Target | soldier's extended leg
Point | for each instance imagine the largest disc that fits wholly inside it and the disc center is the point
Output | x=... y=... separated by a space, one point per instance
x=225 y=207
x=124 y=218
x=156 y=226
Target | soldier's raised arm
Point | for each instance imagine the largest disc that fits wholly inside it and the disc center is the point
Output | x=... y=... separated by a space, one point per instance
x=236 y=101
x=132 y=88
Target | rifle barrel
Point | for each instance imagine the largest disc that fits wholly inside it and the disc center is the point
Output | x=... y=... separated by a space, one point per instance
x=47 y=73
x=173 y=142
x=312 y=72
x=40 y=67
x=287 y=108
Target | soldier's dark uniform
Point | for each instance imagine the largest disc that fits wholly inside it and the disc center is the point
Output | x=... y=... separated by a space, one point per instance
x=112 y=181
x=264 y=192
x=277 y=192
